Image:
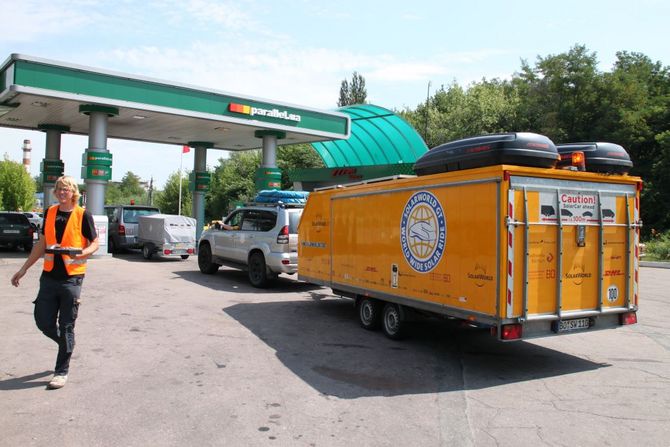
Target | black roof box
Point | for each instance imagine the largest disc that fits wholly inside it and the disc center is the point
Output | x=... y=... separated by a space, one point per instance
x=519 y=148
x=600 y=157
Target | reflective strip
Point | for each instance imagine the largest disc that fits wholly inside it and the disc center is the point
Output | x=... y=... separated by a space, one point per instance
x=74 y=261
x=636 y=243
x=49 y=257
x=510 y=254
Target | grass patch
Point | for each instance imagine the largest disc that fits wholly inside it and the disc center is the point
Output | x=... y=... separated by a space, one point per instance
x=658 y=248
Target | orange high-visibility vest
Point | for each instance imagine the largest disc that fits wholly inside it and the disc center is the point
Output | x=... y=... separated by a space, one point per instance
x=72 y=237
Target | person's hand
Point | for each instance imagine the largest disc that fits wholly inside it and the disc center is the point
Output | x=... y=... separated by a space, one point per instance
x=17 y=276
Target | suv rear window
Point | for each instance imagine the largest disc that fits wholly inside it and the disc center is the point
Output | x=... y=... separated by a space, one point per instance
x=293 y=221
x=132 y=215
x=256 y=220
x=13 y=219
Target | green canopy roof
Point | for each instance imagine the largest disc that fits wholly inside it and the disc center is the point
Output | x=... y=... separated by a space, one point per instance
x=378 y=137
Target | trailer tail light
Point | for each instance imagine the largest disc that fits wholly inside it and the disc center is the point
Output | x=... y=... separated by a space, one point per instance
x=579 y=160
x=167 y=252
x=511 y=332
x=122 y=230
x=282 y=237
x=628 y=318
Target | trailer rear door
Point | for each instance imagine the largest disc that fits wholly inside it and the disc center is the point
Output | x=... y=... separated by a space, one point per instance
x=571 y=250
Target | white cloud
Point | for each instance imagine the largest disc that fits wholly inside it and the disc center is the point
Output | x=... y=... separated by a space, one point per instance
x=32 y=20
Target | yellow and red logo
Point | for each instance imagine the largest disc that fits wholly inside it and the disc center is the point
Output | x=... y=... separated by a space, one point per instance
x=239 y=108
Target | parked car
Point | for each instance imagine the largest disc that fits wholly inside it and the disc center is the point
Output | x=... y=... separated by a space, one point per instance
x=260 y=238
x=35 y=218
x=123 y=221
x=15 y=230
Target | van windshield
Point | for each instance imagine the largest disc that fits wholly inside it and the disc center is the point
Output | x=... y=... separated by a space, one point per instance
x=132 y=215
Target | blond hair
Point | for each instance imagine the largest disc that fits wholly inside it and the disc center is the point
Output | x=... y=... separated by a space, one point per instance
x=66 y=181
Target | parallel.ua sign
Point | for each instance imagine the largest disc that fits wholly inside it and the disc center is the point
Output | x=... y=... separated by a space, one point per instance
x=258 y=111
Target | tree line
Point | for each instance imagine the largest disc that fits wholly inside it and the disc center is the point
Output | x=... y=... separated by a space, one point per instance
x=567 y=98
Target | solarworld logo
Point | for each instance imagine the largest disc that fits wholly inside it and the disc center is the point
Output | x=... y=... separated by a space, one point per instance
x=258 y=111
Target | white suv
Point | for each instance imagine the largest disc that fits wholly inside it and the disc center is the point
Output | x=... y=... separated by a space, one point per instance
x=262 y=239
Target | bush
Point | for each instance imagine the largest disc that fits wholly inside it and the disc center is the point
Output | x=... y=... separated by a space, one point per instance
x=658 y=248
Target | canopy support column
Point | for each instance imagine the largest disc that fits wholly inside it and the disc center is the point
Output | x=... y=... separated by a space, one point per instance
x=199 y=183
x=268 y=176
x=97 y=164
x=52 y=166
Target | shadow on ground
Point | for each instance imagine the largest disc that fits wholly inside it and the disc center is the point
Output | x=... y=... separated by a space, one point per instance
x=25 y=382
x=321 y=342
x=234 y=280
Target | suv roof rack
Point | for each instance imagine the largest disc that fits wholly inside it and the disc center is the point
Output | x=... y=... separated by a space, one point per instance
x=365 y=182
x=278 y=204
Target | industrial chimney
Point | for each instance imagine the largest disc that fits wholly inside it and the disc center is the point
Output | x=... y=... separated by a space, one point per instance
x=26 y=154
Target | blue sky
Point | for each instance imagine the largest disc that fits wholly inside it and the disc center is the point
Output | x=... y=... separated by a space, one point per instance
x=298 y=51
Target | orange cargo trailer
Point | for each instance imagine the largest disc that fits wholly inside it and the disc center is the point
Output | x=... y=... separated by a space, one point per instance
x=526 y=251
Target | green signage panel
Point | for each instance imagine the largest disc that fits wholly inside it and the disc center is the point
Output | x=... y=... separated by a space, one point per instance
x=50 y=178
x=199 y=181
x=268 y=178
x=96 y=158
x=96 y=172
x=52 y=166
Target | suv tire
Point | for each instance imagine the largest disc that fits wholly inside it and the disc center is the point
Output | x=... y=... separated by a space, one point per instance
x=205 y=260
x=258 y=272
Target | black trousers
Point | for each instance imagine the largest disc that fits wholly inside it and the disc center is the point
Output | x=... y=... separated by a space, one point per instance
x=56 y=309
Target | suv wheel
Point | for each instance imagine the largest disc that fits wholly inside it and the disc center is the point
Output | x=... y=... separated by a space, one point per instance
x=205 y=260
x=258 y=273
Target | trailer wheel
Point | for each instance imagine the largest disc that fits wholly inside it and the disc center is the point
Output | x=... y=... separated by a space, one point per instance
x=205 y=263
x=369 y=313
x=258 y=272
x=393 y=326
x=147 y=252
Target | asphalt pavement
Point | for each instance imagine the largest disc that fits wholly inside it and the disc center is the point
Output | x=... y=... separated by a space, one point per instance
x=167 y=356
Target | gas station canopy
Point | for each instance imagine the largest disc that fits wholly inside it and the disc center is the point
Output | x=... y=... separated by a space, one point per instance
x=38 y=94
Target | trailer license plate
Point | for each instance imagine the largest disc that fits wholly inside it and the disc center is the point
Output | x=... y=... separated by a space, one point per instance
x=573 y=325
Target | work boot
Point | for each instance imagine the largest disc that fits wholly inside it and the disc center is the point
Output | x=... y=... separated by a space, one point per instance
x=58 y=381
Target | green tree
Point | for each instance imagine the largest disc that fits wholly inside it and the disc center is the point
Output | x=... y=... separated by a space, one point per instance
x=233 y=180
x=127 y=190
x=168 y=199
x=354 y=92
x=296 y=156
x=455 y=112
x=561 y=95
x=17 y=187
x=130 y=185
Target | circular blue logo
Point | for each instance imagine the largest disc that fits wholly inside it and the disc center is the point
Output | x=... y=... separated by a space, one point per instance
x=423 y=231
